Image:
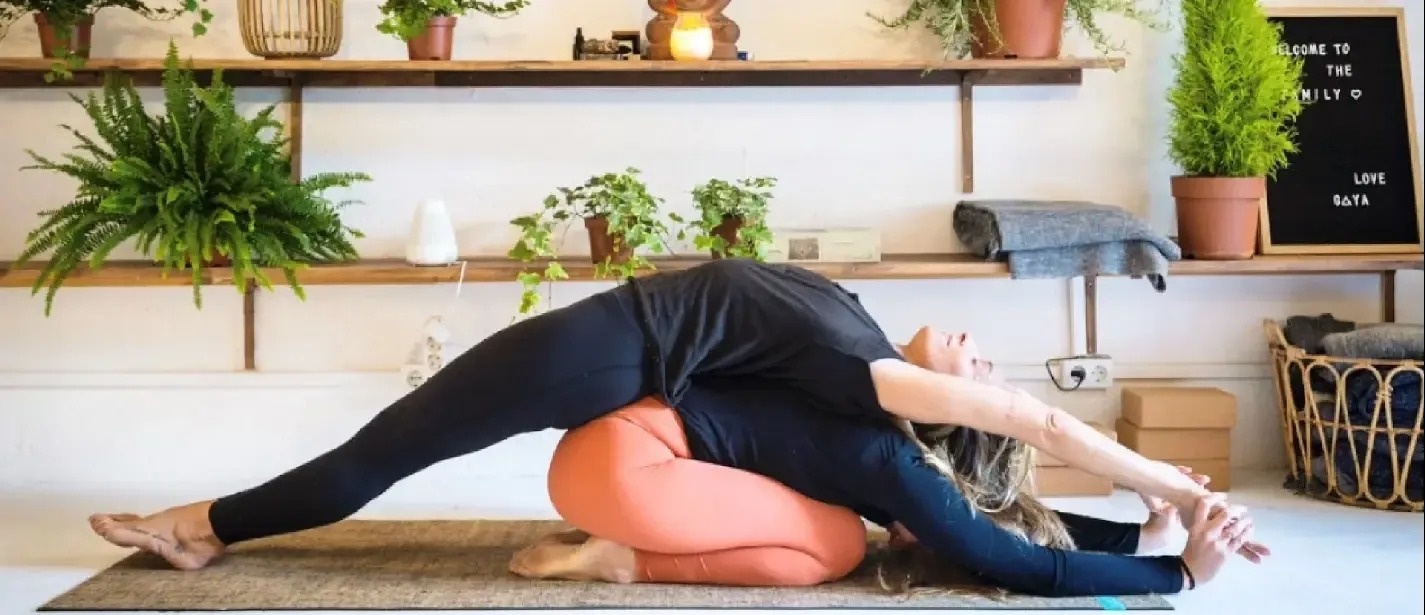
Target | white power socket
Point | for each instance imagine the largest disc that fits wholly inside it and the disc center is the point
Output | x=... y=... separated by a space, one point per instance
x=1097 y=372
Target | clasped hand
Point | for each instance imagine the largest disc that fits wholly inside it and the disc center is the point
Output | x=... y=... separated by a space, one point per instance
x=1215 y=531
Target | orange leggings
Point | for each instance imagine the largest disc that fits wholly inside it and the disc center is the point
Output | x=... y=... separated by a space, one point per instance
x=627 y=477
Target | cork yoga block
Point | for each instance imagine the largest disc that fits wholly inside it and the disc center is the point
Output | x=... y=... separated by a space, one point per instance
x=1069 y=482
x=1179 y=407
x=1164 y=444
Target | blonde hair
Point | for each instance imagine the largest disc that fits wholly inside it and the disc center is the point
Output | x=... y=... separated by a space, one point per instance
x=993 y=473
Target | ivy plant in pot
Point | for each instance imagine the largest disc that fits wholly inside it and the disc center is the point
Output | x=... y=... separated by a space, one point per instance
x=428 y=26
x=197 y=186
x=65 y=27
x=1022 y=29
x=621 y=216
x=732 y=219
x=1233 y=107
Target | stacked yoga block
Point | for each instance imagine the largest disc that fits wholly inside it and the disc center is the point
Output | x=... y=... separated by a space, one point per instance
x=1054 y=478
x=1187 y=426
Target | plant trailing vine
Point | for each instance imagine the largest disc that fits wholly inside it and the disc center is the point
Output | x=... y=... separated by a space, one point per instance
x=1235 y=98
x=953 y=21
x=634 y=219
x=64 y=16
x=197 y=184
x=743 y=204
x=407 y=19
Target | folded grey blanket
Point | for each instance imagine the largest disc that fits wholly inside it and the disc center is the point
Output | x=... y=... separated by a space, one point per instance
x=1064 y=239
x=1383 y=341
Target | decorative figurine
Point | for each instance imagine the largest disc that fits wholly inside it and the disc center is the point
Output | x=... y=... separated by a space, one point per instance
x=725 y=32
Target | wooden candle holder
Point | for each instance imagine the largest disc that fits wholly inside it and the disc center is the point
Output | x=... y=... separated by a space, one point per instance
x=660 y=28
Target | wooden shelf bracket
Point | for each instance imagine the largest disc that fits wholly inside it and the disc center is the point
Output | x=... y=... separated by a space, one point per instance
x=967 y=132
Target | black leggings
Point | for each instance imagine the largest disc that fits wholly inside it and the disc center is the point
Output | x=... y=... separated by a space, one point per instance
x=1101 y=535
x=558 y=370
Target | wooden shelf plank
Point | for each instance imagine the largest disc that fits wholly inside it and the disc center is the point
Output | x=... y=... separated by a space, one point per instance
x=493 y=269
x=29 y=72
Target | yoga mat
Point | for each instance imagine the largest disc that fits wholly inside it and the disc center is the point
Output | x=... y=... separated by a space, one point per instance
x=461 y=565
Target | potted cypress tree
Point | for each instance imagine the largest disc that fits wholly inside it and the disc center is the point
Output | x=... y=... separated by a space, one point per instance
x=1233 y=107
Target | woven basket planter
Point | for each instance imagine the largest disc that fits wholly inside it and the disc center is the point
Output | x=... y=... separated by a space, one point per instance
x=276 y=29
x=1352 y=427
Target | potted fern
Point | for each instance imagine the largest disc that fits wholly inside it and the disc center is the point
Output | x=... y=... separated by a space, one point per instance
x=65 y=27
x=621 y=216
x=198 y=186
x=732 y=219
x=1233 y=107
x=1023 y=29
x=428 y=26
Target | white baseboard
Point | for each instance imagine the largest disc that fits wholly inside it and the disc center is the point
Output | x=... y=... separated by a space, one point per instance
x=320 y=380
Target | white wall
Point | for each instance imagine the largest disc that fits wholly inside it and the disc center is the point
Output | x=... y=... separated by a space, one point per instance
x=131 y=388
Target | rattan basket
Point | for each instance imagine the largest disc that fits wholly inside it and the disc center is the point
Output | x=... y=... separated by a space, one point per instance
x=277 y=29
x=1352 y=427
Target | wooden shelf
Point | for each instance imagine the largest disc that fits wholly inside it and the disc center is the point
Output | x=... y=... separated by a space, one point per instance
x=489 y=269
x=29 y=72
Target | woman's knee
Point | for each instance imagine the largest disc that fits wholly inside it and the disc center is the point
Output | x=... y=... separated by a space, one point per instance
x=844 y=545
x=591 y=482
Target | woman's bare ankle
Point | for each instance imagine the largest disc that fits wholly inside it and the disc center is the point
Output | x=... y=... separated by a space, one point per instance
x=182 y=535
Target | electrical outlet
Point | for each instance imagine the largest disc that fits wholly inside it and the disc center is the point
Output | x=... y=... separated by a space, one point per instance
x=1097 y=372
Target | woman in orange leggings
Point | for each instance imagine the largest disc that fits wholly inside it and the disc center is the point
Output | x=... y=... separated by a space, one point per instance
x=750 y=484
x=629 y=479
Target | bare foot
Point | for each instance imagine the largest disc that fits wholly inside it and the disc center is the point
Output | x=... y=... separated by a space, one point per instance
x=594 y=559
x=181 y=535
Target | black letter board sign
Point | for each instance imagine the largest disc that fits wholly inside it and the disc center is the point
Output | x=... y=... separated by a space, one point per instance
x=1353 y=186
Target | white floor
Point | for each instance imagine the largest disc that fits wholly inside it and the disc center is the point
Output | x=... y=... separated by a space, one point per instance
x=1329 y=558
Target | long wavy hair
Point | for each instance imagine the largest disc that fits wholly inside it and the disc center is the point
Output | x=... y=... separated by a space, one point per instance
x=994 y=474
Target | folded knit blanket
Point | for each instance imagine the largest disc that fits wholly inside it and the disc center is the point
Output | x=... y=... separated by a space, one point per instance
x=1383 y=341
x=1064 y=239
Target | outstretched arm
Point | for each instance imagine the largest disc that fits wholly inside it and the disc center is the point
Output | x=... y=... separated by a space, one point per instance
x=942 y=520
x=924 y=396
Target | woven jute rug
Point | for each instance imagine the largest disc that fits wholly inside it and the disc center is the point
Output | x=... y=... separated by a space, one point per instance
x=461 y=565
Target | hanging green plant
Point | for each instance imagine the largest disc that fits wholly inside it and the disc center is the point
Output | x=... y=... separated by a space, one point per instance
x=1016 y=28
x=64 y=25
x=621 y=215
x=198 y=186
x=732 y=219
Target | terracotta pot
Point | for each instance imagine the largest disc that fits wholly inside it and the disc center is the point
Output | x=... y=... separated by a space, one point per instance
x=1218 y=217
x=436 y=43
x=728 y=232
x=218 y=260
x=602 y=245
x=1028 y=30
x=78 y=41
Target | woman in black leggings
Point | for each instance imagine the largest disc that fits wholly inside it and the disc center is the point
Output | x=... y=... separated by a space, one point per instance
x=731 y=319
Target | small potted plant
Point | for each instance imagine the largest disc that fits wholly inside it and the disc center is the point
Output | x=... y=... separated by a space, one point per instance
x=65 y=27
x=1022 y=29
x=732 y=219
x=1233 y=107
x=198 y=186
x=621 y=216
x=428 y=26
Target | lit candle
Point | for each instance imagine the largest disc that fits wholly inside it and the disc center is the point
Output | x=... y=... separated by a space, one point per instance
x=691 y=38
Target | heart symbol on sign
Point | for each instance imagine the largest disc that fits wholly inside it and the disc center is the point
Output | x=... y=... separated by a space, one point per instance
x=1356 y=94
